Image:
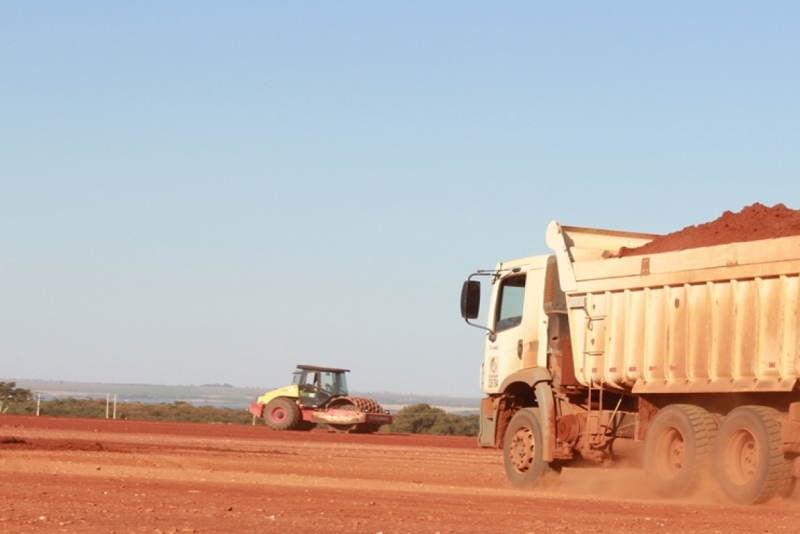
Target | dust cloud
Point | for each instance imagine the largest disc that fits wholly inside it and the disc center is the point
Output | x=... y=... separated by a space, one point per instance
x=625 y=480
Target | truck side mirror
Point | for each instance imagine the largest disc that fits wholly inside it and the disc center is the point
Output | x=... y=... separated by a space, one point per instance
x=470 y=299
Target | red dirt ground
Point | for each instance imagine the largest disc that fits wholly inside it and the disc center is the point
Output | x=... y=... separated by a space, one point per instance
x=751 y=224
x=74 y=475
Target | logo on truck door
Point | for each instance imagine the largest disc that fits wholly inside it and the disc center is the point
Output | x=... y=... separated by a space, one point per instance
x=493 y=372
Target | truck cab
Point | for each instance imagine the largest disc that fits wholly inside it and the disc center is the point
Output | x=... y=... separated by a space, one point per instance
x=526 y=330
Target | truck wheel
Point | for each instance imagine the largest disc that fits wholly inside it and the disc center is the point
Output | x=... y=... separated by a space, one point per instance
x=677 y=450
x=282 y=414
x=522 y=450
x=748 y=463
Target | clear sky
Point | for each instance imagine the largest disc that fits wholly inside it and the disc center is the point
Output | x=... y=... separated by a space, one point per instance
x=199 y=192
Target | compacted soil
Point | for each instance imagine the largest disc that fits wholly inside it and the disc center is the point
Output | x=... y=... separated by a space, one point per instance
x=78 y=475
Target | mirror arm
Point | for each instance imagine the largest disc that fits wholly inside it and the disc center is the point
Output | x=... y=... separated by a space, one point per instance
x=491 y=333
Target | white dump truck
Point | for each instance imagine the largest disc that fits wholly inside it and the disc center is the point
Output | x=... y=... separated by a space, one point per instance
x=694 y=352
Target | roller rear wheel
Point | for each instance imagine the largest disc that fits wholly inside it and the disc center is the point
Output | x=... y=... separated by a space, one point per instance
x=282 y=414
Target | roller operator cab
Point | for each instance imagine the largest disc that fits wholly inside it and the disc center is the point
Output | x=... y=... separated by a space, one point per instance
x=693 y=354
x=317 y=385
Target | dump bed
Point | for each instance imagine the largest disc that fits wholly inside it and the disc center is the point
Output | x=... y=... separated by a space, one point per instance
x=717 y=319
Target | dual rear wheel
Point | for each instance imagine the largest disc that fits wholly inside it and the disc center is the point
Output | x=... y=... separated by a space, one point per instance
x=678 y=449
x=748 y=463
x=683 y=446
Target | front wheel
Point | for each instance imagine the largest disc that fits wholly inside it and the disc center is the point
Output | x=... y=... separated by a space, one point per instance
x=522 y=450
x=748 y=462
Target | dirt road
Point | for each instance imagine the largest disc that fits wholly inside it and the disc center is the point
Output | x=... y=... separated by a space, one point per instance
x=74 y=475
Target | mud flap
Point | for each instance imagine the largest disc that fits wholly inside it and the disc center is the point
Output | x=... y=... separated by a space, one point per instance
x=488 y=422
x=539 y=379
x=547 y=413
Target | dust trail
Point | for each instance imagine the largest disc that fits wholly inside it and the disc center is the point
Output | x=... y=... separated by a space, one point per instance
x=626 y=481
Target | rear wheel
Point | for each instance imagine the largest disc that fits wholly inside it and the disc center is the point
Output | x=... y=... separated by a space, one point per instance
x=678 y=449
x=522 y=451
x=282 y=414
x=748 y=462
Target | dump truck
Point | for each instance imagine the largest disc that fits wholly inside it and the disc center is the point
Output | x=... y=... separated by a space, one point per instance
x=694 y=353
x=319 y=395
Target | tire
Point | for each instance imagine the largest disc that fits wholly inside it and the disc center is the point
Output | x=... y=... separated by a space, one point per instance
x=522 y=450
x=282 y=414
x=748 y=463
x=678 y=446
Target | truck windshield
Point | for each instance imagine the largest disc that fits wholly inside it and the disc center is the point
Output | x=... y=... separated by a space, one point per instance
x=509 y=305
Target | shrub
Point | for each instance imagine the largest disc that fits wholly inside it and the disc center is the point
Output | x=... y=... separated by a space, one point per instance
x=426 y=419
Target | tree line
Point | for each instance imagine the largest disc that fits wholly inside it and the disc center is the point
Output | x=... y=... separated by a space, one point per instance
x=414 y=419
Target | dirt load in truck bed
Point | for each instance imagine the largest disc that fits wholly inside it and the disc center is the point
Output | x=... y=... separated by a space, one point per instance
x=753 y=223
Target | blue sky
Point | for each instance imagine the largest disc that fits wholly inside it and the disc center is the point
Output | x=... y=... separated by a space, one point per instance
x=199 y=192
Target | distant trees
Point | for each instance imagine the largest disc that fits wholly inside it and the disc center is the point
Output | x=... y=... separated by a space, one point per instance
x=13 y=397
x=176 y=411
x=72 y=407
x=185 y=412
x=426 y=419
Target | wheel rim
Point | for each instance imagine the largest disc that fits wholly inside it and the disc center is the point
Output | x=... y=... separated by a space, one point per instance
x=278 y=414
x=741 y=457
x=522 y=449
x=670 y=453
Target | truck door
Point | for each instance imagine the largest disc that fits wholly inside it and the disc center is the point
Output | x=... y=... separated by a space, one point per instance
x=520 y=327
x=504 y=352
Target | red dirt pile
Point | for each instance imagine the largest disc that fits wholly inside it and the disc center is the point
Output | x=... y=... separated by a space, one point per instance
x=751 y=224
